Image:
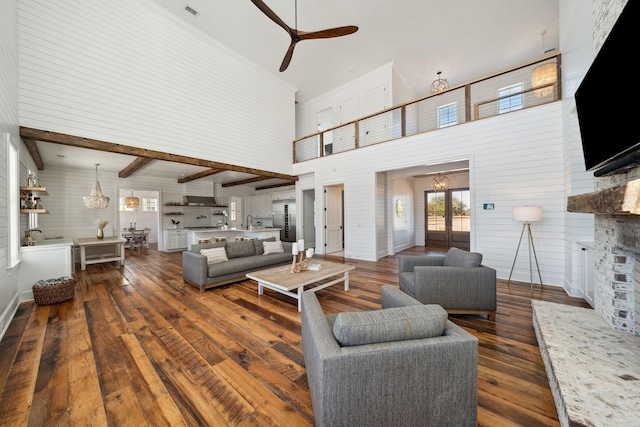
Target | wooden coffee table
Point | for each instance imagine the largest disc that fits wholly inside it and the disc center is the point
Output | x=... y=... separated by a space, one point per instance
x=282 y=280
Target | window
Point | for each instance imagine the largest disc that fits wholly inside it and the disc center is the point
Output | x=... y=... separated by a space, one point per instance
x=146 y=205
x=149 y=205
x=448 y=115
x=511 y=103
x=13 y=196
x=233 y=207
x=123 y=207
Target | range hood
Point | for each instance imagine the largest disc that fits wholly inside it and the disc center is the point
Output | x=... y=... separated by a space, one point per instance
x=207 y=201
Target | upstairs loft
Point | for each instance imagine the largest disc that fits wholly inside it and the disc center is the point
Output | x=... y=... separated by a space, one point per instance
x=528 y=85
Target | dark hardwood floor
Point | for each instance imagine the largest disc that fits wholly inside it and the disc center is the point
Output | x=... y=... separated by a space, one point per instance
x=136 y=346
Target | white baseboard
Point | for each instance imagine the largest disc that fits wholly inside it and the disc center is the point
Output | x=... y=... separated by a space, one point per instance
x=9 y=314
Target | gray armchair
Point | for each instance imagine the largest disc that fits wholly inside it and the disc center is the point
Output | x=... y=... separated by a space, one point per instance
x=404 y=365
x=458 y=282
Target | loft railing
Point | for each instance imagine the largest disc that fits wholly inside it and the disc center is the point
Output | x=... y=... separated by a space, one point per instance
x=499 y=93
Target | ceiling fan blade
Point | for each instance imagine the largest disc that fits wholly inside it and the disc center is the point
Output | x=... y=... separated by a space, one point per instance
x=325 y=34
x=271 y=14
x=287 y=57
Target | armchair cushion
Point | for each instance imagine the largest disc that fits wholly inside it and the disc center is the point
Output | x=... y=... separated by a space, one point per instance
x=459 y=258
x=391 y=324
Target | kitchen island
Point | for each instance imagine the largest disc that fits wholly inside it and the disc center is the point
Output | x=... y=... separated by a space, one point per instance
x=197 y=235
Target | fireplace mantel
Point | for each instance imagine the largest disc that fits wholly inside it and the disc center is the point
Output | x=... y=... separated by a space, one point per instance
x=621 y=199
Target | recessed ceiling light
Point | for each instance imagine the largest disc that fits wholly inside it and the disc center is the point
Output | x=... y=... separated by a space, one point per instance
x=62 y=156
x=191 y=10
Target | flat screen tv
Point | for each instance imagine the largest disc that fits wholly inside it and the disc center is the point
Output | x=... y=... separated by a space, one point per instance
x=606 y=100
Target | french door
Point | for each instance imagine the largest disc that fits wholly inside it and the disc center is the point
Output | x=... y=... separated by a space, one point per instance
x=448 y=218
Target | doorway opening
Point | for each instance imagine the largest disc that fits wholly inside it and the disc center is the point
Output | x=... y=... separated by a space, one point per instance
x=334 y=219
x=146 y=215
x=448 y=218
x=309 y=217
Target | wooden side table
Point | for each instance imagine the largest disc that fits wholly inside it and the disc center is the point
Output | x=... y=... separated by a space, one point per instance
x=116 y=242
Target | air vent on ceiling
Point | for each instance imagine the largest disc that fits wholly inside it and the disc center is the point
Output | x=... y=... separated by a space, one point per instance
x=191 y=11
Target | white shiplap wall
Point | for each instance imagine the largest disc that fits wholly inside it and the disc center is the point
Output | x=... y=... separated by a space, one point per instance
x=129 y=72
x=514 y=159
x=8 y=127
x=577 y=55
x=306 y=113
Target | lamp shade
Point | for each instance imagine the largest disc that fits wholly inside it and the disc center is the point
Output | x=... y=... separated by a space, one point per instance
x=527 y=213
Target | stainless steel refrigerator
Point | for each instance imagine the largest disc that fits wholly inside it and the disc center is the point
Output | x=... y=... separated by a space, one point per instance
x=284 y=218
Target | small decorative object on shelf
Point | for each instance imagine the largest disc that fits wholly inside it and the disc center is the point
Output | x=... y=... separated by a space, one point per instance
x=101 y=223
x=175 y=223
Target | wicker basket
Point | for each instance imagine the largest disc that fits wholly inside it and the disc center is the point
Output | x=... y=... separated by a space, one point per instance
x=53 y=291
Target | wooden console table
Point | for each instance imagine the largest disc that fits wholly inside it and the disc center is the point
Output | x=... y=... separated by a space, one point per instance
x=116 y=242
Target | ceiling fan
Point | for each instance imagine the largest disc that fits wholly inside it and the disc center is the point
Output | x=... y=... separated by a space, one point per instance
x=297 y=36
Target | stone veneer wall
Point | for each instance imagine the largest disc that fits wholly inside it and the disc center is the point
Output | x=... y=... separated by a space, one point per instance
x=616 y=293
x=615 y=278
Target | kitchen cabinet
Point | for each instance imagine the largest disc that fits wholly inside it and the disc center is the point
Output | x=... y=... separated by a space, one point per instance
x=176 y=240
x=260 y=206
x=284 y=195
x=46 y=260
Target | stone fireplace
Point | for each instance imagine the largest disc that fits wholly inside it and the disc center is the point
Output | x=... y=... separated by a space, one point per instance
x=617 y=250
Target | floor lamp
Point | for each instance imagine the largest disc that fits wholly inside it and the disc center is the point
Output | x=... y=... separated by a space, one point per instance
x=527 y=214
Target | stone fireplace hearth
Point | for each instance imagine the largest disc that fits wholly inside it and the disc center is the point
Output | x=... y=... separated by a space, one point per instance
x=592 y=357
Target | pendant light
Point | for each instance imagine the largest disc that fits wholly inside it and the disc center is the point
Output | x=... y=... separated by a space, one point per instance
x=545 y=74
x=439 y=84
x=96 y=200
x=440 y=183
x=132 y=202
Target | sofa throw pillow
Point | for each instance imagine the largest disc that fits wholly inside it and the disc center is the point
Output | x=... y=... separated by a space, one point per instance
x=240 y=249
x=389 y=324
x=215 y=255
x=273 y=247
x=459 y=258
x=258 y=244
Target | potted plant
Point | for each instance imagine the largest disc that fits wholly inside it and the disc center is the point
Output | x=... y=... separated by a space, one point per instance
x=175 y=223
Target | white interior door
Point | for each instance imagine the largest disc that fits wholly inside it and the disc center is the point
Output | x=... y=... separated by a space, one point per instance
x=345 y=138
x=374 y=130
x=333 y=219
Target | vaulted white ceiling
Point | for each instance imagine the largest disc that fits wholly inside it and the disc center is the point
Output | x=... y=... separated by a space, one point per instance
x=465 y=39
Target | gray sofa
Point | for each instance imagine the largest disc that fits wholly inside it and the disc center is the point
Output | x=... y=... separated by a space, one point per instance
x=458 y=282
x=244 y=257
x=404 y=365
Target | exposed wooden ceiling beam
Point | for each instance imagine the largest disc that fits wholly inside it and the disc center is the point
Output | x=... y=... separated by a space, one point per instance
x=246 y=181
x=94 y=144
x=199 y=175
x=282 y=184
x=35 y=154
x=134 y=167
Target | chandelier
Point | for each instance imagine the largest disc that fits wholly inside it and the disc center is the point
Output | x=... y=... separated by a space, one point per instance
x=132 y=202
x=440 y=183
x=439 y=84
x=542 y=75
x=96 y=200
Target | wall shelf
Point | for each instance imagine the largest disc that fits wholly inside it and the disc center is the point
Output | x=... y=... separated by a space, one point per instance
x=28 y=194
x=38 y=211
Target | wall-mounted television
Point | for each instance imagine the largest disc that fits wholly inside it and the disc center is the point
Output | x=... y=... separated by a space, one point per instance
x=606 y=100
